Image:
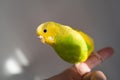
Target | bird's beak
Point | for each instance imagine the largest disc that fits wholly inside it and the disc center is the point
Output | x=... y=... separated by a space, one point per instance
x=41 y=38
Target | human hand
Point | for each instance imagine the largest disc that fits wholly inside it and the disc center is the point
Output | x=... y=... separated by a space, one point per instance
x=82 y=71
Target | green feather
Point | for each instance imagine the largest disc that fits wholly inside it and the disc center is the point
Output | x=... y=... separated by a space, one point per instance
x=71 y=46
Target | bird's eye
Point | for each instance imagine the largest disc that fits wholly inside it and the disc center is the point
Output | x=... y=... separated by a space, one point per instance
x=45 y=30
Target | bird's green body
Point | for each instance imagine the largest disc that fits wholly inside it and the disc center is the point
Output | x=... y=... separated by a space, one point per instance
x=71 y=45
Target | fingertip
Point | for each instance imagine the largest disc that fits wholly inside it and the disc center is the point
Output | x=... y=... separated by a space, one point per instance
x=106 y=52
x=99 y=57
x=108 y=49
x=96 y=75
x=111 y=49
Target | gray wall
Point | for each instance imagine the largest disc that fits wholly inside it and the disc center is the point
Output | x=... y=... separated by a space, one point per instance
x=20 y=18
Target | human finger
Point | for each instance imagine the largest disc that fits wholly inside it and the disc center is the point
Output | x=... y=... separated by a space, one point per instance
x=99 y=57
x=95 y=75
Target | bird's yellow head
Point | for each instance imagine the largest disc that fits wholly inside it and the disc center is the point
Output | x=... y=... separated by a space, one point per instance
x=47 y=32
